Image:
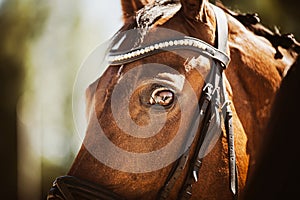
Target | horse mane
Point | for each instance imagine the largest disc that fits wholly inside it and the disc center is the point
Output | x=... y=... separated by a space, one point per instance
x=253 y=23
x=156 y=12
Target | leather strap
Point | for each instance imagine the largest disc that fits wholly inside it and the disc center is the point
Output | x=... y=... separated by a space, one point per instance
x=222 y=32
x=173 y=176
x=71 y=188
x=233 y=171
x=124 y=57
x=215 y=79
x=222 y=28
x=209 y=93
x=202 y=116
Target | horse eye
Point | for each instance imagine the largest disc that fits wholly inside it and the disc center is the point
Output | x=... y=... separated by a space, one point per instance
x=162 y=97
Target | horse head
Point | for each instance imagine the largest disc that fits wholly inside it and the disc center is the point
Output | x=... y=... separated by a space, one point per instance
x=154 y=117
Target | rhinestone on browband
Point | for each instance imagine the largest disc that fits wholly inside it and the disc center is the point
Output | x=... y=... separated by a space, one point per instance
x=185 y=42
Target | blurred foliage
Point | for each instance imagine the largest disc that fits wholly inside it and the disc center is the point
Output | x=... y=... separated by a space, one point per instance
x=46 y=105
x=19 y=23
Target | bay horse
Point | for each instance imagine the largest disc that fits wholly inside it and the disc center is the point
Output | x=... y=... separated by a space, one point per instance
x=277 y=175
x=176 y=71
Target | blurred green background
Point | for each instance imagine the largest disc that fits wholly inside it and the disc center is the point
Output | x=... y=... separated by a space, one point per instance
x=42 y=44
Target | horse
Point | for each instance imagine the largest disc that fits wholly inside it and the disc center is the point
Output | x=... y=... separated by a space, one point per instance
x=277 y=172
x=179 y=111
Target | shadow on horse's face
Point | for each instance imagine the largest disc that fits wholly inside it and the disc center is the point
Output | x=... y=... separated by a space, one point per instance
x=142 y=113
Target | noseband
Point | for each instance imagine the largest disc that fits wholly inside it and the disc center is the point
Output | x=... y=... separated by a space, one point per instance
x=68 y=187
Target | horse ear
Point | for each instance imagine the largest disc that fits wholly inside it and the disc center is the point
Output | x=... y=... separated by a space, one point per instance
x=193 y=8
x=130 y=7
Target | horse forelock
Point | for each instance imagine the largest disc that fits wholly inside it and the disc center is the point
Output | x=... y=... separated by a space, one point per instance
x=169 y=14
x=156 y=13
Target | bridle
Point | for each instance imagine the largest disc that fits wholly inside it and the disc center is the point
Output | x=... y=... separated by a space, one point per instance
x=69 y=187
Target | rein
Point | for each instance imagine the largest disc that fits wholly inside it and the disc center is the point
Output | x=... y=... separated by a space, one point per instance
x=214 y=92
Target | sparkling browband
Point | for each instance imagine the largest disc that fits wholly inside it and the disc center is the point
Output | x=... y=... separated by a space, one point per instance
x=185 y=42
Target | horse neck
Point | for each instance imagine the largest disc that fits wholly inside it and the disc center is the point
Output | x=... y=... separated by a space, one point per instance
x=254 y=76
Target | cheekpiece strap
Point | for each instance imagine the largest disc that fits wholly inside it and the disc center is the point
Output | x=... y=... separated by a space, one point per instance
x=222 y=29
